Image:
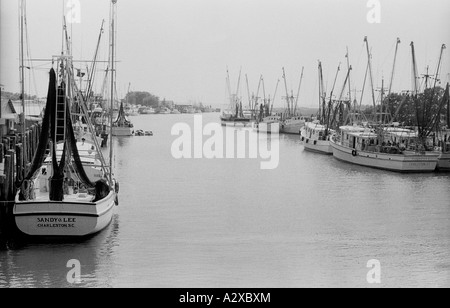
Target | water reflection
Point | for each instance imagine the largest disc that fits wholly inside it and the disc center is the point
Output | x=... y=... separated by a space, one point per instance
x=29 y=262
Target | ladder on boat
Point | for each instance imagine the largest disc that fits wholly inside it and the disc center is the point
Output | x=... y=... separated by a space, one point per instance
x=61 y=103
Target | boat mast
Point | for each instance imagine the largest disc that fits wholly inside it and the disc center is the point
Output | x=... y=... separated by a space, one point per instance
x=287 y=94
x=439 y=66
x=22 y=75
x=381 y=101
x=236 y=99
x=298 y=91
x=349 y=81
x=113 y=15
x=416 y=90
x=393 y=66
x=274 y=96
x=91 y=74
x=321 y=96
x=392 y=74
x=257 y=94
x=229 y=89
x=436 y=79
x=369 y=57
x=330 y=104
x=248 y=93
x=264 y=90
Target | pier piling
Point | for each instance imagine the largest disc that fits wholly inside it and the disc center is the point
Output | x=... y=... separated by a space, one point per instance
x=16 y=155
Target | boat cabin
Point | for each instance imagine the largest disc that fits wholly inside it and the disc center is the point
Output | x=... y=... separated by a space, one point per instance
x=316 y=131
x=271 y=119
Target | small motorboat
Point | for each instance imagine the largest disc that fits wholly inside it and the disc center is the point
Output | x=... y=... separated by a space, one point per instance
x=141 y=132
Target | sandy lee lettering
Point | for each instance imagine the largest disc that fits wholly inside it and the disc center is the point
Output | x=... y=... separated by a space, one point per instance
x=60 y=220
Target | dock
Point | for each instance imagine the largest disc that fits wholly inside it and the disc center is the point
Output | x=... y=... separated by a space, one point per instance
x=14 y=163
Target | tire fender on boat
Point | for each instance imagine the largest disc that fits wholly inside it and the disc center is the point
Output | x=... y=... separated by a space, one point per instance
x=354 y=153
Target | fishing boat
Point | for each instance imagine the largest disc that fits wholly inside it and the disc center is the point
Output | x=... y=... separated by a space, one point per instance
x=292 y=122
x=68 y=191
x=293 y=125
x=408 y=138
x=364 y=147
x=164 y=110
x=122 y=126
x=233 y=120
x=314 y=135
x=63 y=196
x=269 y=125
x=131 y=111
x=147 y=110
x=316 y=138
x=141 y=132
x=233 y=115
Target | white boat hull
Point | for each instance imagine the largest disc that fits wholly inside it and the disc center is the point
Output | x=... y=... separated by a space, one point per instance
x=268 y=128
x=318 y=146
x=237 y=123
x=392 y=162
x=122 y=131
x=66 y=218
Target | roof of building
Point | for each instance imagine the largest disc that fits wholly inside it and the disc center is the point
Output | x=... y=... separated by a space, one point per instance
x=32 y=108
x=7 y=110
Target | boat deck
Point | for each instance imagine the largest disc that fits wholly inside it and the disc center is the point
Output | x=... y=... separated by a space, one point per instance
x=82 y=197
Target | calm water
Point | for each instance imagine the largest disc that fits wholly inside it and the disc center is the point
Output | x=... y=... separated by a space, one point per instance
x=311 y=222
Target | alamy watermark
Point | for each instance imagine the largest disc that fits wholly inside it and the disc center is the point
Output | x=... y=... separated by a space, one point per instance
x=374 y=274
x=73 y=15
x=374 y=14
x=74 y=274
x=229 y=143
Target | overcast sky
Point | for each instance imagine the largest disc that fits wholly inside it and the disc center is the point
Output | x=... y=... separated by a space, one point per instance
x=179 y=49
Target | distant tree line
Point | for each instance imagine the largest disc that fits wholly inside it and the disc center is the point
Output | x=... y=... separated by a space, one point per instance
x=409 y=111
x=17 y=96
x=142 y=98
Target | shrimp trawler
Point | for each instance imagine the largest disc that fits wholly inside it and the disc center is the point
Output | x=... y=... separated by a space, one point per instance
x=68 y=190
x=292 y=123
x=122 y=126
x=315 y=135
x=316 y=138
x=363 y=147
x=234 y=114
x=58 y=196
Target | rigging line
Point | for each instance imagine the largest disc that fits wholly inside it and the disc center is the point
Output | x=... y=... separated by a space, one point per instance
x=30 y=61
x=388 y=54
x=359 y=58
